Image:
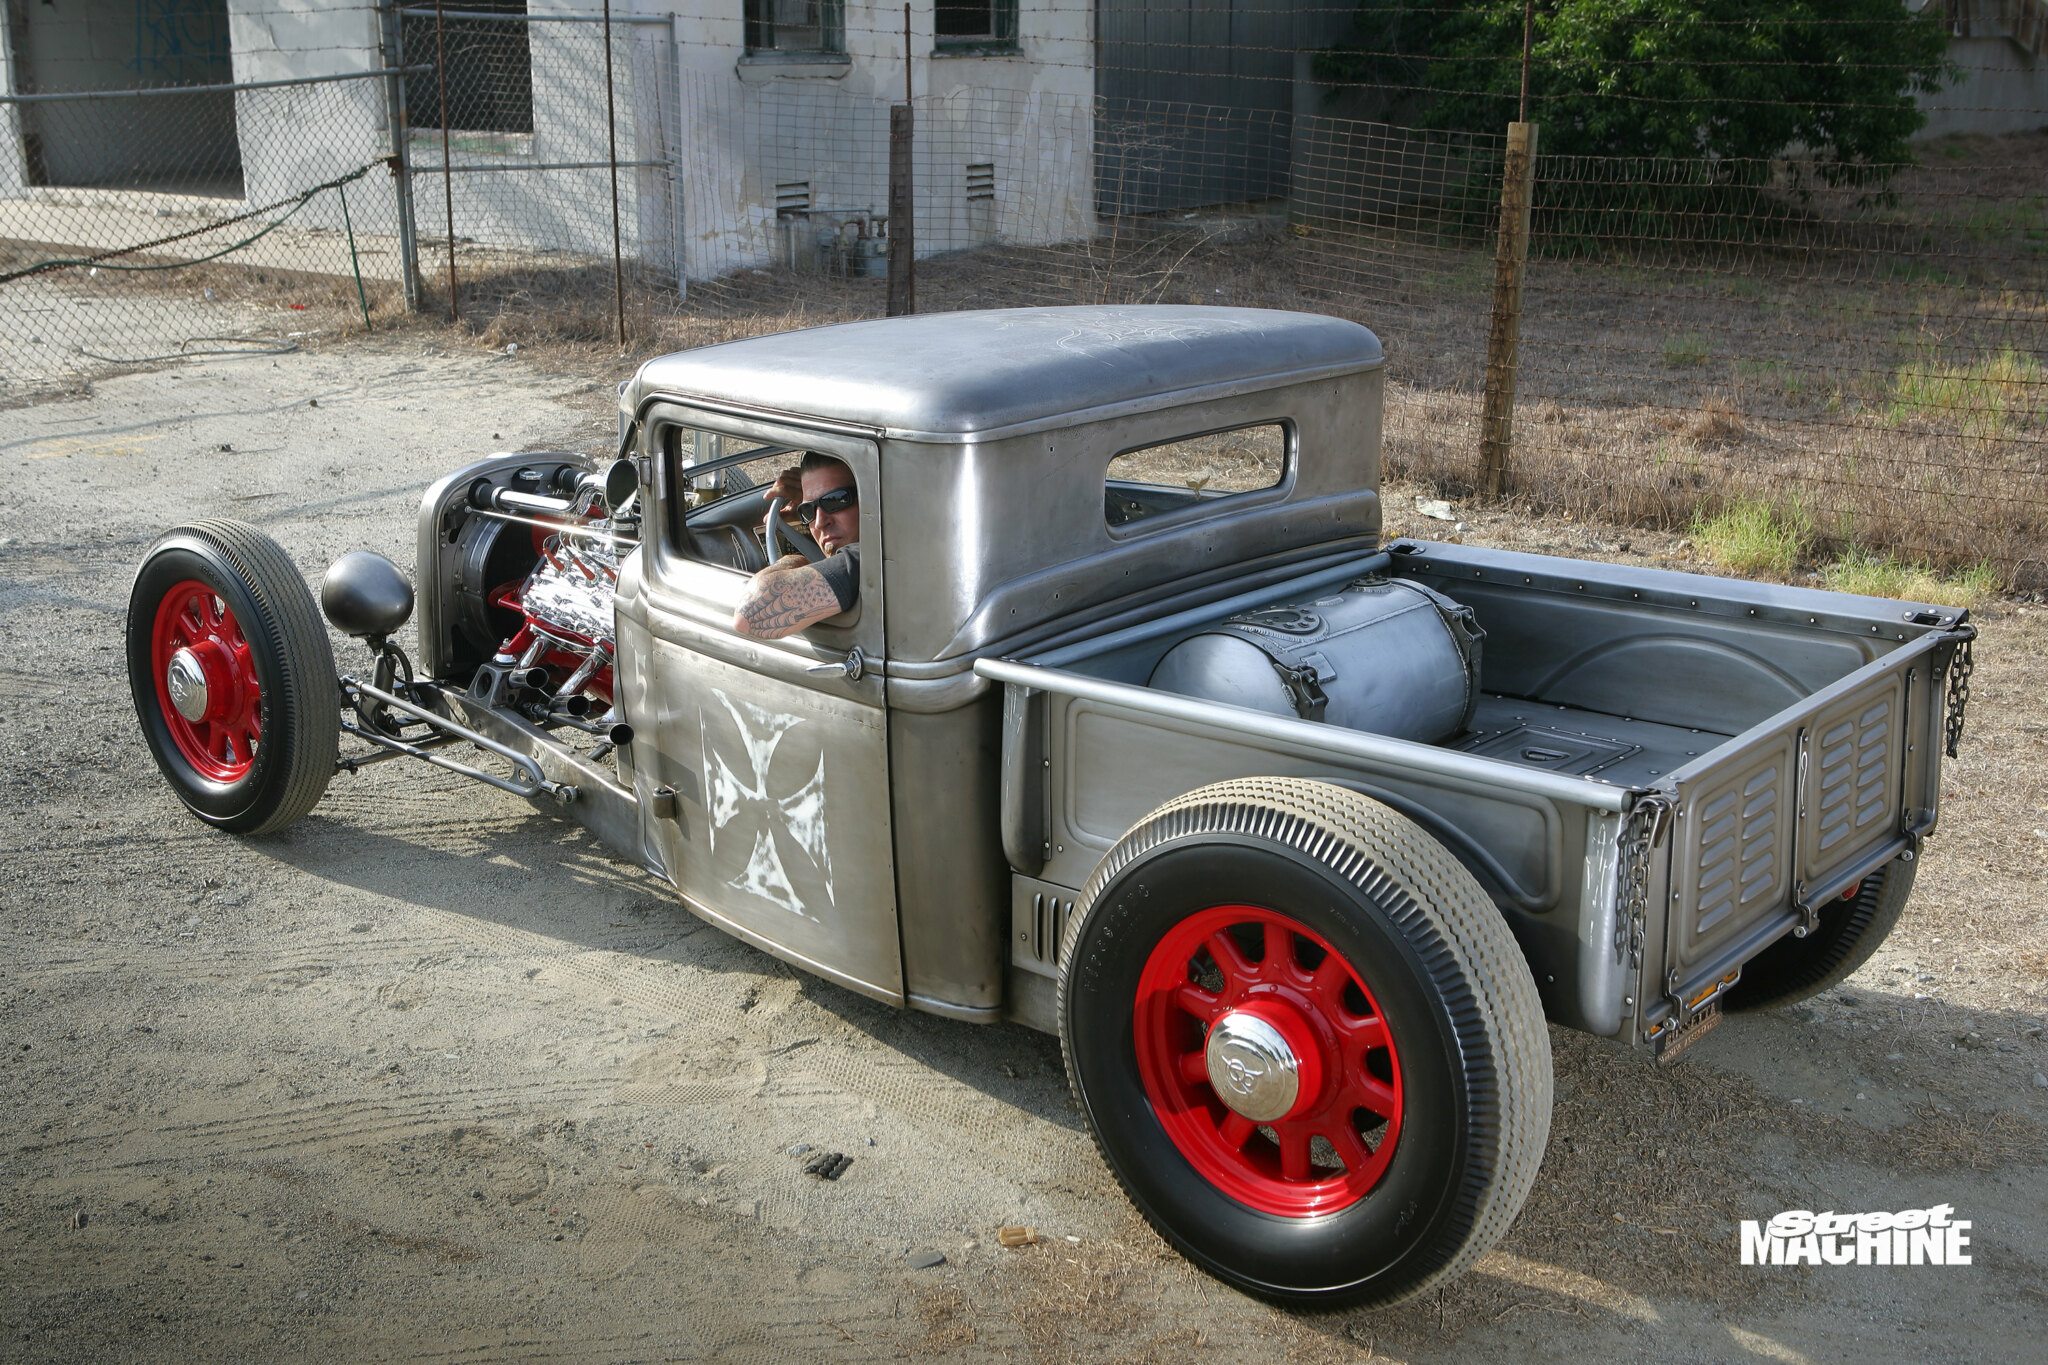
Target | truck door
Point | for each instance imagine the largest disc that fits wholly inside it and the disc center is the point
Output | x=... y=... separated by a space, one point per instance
x=761 y=766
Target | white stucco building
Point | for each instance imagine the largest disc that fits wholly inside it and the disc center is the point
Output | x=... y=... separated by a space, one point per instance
x=751 y=126
x=2000 y=48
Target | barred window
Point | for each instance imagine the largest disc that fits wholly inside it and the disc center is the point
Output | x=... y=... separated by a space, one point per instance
x=489 y=75
x=795 y=26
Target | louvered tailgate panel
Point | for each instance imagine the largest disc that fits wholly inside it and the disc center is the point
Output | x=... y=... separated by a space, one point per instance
x=1854 y=751
x=1734 y=849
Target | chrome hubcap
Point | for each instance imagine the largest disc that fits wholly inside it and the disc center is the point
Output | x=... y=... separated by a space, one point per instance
x=185 y=680
x=1252 y=1067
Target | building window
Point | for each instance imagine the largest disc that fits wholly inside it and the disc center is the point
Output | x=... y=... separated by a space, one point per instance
x=795 y=26
x=490 y=68
x=971 y=24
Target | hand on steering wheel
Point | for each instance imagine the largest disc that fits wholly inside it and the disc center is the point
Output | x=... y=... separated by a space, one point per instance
x=796 y=538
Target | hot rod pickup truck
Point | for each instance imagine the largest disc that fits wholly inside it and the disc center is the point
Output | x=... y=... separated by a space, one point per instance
x=1134 y=730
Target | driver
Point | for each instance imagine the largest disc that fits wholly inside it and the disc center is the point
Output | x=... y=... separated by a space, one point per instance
x=793 y=593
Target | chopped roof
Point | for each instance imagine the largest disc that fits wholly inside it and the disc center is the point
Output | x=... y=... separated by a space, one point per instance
x=947 y=375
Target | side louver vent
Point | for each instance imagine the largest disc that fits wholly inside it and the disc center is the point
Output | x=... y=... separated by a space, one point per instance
x=1049 y=926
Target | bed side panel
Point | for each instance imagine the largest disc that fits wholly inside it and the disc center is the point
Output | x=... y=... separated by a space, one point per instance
x=1110 y=767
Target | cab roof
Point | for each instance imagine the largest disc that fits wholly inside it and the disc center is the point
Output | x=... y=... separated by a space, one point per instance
x=1007 y=371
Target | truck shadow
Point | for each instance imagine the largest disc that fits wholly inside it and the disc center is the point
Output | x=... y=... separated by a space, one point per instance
x=545 y=879
x=1858 y=1100
x=1862 y=1099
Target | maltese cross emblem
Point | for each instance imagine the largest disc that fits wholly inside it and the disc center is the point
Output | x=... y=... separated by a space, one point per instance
x=744 y=814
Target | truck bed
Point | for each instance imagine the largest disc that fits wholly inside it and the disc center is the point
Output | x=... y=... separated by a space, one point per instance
x=1791 y=735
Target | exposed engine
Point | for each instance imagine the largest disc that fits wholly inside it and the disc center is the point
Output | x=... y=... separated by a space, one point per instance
x=558 y=661
x=566 y=606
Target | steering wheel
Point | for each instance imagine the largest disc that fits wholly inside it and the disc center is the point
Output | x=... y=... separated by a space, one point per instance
x=780 y=535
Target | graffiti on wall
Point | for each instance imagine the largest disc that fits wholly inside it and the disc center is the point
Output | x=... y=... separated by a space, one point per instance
x=182 y=42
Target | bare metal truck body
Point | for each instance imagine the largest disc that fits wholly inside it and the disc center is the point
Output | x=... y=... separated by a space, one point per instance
x=1300 y=970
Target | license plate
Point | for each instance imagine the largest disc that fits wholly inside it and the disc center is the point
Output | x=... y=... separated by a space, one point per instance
x=1674 y=1039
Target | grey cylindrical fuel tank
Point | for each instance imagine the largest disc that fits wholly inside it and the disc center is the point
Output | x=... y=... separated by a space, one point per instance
x=1381 y=655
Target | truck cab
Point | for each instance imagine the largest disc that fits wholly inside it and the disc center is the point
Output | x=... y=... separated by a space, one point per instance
x=1014 y=485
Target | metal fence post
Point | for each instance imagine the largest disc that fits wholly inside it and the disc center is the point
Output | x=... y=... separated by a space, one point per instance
x=401 y=164
x=1503 y=342
x=902 y=225
x=447 y=160
x=611 y=132
x=672 y=130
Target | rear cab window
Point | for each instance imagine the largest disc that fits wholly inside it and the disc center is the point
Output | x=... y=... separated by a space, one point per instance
x=1180 y=478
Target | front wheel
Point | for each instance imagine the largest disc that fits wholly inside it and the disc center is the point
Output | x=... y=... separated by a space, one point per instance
x=1305 y=1043
x=232 y=676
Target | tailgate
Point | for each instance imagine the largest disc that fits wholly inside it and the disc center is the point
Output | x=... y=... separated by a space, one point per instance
x=1770 y=826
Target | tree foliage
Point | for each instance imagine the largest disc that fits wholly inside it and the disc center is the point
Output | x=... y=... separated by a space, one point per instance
x=1730 y=80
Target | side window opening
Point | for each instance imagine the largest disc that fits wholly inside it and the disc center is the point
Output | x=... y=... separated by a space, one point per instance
x=718 y=505
x=1170 y=476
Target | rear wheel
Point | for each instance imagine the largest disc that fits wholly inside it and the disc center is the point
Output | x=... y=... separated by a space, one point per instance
x=232 y=676
x=1849 y=931
x=1305 y=1042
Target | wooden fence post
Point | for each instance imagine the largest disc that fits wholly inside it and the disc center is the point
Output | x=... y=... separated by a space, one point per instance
x=1503 y=342
x=902 y=198
x=902 y=214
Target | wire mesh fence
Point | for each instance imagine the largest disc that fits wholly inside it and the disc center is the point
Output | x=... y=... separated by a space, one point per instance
x=1848 y=347
x=1866 y=365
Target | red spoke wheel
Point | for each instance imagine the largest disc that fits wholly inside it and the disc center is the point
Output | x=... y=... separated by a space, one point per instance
x=1267 y=1061
x=206 y=682
x=1305 y=1042
x=232 y=676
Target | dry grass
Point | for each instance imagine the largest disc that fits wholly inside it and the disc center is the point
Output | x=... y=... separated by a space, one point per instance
x=1872 y=575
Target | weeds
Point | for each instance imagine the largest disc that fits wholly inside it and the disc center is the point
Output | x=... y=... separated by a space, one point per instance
x=1750 y=534
x=1989 y=395
x=1880 y=575
x=1689 y=348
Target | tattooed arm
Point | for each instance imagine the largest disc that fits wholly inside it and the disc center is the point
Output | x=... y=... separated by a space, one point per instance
x=783 y=598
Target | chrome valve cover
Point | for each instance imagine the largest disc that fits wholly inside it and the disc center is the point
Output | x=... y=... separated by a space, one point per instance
x=571 y=591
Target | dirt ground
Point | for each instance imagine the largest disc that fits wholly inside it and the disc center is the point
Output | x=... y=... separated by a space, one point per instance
x=430 y=1076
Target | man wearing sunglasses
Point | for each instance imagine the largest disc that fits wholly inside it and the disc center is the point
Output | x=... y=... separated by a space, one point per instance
x=793 y=593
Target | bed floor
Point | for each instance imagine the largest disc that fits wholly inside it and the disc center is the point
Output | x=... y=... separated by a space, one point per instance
x=1563 y=739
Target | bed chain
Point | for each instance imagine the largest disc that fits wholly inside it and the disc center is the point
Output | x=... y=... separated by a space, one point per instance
x=1959 y=668
x=1640 y=834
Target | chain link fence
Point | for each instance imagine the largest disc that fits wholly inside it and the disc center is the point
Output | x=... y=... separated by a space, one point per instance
x=1848 y=352
x=555 y=194
x=145 y=225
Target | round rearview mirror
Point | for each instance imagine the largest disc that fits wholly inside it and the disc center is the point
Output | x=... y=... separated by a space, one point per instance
x=621 y=482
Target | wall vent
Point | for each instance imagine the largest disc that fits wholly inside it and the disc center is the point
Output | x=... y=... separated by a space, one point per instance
x=981 y=180
x=792 y=198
